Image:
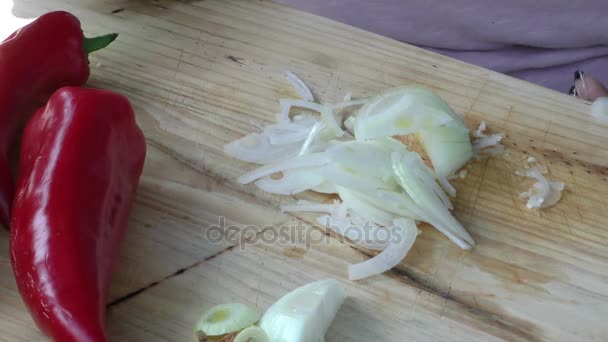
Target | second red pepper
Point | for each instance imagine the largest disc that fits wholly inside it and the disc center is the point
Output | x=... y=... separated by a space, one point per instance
x=81 y=159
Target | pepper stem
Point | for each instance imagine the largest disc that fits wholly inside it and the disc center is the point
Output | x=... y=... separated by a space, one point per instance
x=98 y=43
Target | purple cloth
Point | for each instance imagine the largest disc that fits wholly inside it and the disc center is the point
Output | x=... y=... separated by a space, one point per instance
x=541 y=41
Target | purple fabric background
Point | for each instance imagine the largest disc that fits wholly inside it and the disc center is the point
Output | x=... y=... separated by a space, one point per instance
x=542 y=41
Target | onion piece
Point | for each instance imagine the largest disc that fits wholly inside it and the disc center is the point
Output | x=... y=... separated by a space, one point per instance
x=447 y=186
x=226 y=318
x=326 y=188
x=448 y=149
x=401 y=111
x=290 y=132
x=300 y=87
x=252 y=334
x=398 y=203
x=305 y=314
x=349 y=103
x=307 y=206
x=326 y=111
x=292 y=182
x=358 y=204
x=309 y=160
x=599 y=109
x=350 y=179
x=367 y=157
x=310 y=138
x=400 y=244
x=488 y=141
x=256 y=148
x=407 y=167
x=329 y=118
x=544 y=193
x=479 y=132
x=486 y=144
x=349 y=124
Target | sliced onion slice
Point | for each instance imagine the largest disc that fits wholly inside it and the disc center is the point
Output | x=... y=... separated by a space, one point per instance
x=309 y=160
x=408 y=167
x=351 y=179
x=400 y=244
x=326 y=188
x=291 y=181
x=300 y=87
x=256 y=148
x=358 y=204
x=307 y=206
x=366 y=157
x=402 y=110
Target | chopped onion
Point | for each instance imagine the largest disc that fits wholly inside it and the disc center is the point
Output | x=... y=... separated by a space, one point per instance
x=349 y=124
x=479 y=132
x=377 y=178
x=358 y=204
x=349 y=103
x=402 y=110
x=486 y=144
x=447 y=186
x=348 y=96
x=287 y=104
x=256 y=148
x=307 y=206
x=300 y=87
x=226 y=318
x=448 y=148
x=292 y=181
x=398 y=203
x=366 y=157
x=309 y=160
x=310 y=138
x=407 y=167
x=326 y=188
x=491 y=140
x=599 y=109
x=353 y=180
x=400 y=245
x=289 y=132
x=544 y=193
x=305 y=314
x=252 y=334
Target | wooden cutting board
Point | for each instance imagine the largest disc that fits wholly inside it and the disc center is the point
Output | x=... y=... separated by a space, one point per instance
x=201 y=74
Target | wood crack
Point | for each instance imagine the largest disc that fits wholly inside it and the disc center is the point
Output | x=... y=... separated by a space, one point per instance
x=503 y=325
x=153 y=284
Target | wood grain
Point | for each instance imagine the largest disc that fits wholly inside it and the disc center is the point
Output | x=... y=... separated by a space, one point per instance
x=201 y=74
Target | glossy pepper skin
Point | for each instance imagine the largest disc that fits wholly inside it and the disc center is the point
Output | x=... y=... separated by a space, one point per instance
x=35 y=61
x=81 y=159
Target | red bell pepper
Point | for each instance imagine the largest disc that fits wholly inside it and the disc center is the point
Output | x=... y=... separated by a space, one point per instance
x=81 y=159
x=35 y=61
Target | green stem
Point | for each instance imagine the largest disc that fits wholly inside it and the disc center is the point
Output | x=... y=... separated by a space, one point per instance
x=98 y=43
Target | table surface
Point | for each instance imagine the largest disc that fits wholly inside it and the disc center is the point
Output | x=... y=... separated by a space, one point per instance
x=201 y=74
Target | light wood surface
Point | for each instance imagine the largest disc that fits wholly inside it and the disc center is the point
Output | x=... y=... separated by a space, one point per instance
x=201 y=74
